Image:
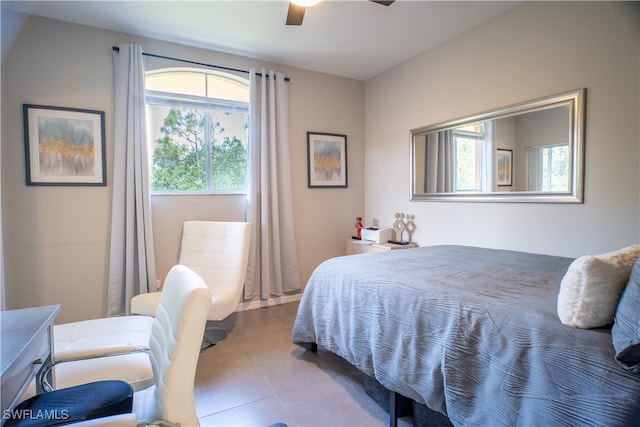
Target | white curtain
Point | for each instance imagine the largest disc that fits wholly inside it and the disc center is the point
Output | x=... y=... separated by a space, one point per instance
x=534 y=176
x=273 y=264
x=487 y=170
x=439 y=162
x=131 y=261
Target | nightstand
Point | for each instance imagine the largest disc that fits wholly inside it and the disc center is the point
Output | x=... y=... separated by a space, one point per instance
x=353 y=246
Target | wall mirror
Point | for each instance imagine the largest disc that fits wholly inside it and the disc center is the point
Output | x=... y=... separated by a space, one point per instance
x=528 y=152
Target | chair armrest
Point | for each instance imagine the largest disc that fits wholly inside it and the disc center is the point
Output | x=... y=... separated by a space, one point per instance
x=43 y=377
x=112 y=350
x=146 y=304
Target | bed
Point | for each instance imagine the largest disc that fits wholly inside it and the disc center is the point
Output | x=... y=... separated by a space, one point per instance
x=472 y=333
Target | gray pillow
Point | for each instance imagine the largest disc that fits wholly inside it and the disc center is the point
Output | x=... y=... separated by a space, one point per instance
x=625 y=333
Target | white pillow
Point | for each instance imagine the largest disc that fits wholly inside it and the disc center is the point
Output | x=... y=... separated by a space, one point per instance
x=592 y=286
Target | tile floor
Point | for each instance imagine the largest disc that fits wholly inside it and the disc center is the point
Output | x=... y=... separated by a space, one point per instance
x=258 y=377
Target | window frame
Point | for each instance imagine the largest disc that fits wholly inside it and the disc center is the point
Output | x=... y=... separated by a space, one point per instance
x=483 y=148
x=207 y=104
x=537 y=175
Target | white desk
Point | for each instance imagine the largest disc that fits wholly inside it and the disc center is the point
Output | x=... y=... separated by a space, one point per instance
x=27 y=341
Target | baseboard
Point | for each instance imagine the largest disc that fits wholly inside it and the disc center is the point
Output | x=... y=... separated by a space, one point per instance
x=261 y=303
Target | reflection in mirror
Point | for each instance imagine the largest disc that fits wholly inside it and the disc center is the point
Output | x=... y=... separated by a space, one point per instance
x=528 y=152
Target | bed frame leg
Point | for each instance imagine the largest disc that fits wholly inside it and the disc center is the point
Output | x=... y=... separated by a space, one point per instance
x=314 y=347
x=393 y=409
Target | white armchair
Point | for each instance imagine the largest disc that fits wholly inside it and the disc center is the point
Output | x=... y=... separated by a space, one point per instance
x=174 y=347
x=219 y=252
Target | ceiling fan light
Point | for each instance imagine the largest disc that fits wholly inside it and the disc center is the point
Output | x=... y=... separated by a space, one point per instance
x=305 y=3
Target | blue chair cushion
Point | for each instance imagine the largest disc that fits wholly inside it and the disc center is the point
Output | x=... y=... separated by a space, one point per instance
x=73 y=404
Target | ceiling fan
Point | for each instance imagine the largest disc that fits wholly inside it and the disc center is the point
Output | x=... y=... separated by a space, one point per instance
x=297 y=8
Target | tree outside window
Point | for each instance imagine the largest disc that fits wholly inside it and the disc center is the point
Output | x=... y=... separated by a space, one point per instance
x=197 y=144
x=469 y=144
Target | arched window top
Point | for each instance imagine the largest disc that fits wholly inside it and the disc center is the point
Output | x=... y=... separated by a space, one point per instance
x=198 y=82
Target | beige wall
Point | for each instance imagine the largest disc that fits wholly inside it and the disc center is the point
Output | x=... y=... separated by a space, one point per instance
x=56 y=238
x=531 y=51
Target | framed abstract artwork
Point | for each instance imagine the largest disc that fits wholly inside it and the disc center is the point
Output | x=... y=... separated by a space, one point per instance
x=326 y=160
x=64 y=146
x=505 y=168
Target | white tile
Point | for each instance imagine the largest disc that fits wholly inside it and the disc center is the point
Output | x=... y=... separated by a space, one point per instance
x=294 y=370
x=223 y=356
x=261 y=413
x=229 y=389
x=268 y=346
x=327 y=403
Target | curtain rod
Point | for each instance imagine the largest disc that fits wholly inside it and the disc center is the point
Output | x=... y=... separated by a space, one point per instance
x=153 y=55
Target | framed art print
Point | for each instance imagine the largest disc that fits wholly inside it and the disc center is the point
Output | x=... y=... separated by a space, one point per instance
x=326 y=160
x=64 y=146
x=505 y=168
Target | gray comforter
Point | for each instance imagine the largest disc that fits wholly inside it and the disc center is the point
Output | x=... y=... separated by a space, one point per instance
x=471 y=332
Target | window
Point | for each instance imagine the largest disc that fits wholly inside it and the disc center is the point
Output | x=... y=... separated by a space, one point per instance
x=198 y=131
x=471 y=148
x=549 y=167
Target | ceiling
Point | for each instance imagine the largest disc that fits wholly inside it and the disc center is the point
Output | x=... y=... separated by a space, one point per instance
x=356 y=39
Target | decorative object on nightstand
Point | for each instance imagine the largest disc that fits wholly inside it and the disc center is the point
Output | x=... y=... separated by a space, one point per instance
x=399 y=227
x=359 y=227
x=377 y=234
x=380 y=239
x=411 y=226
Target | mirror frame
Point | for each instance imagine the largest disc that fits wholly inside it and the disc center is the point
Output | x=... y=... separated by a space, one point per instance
x=575 y=100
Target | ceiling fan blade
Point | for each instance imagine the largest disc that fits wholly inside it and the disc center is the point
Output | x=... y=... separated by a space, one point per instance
x=383 y=2
x=295 y=14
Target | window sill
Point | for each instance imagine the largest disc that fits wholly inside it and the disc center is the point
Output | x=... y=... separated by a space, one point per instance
x=219 y=193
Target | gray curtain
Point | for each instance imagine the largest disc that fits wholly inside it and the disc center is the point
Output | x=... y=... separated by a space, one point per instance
x=273 y=263
x=131 y=261
x=439 y=162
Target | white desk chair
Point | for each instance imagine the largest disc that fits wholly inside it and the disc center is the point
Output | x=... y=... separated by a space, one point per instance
x=174 y=347
x=219 y=252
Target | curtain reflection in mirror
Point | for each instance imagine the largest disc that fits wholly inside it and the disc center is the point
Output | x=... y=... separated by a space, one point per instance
x=439 y=162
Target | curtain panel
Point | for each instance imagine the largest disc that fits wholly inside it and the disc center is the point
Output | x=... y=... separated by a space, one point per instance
x=131 y=260
x=273 y=263
x=439 y=162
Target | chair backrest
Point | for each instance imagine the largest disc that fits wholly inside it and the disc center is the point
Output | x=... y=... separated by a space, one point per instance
x=219 y=252
x=174 y=345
